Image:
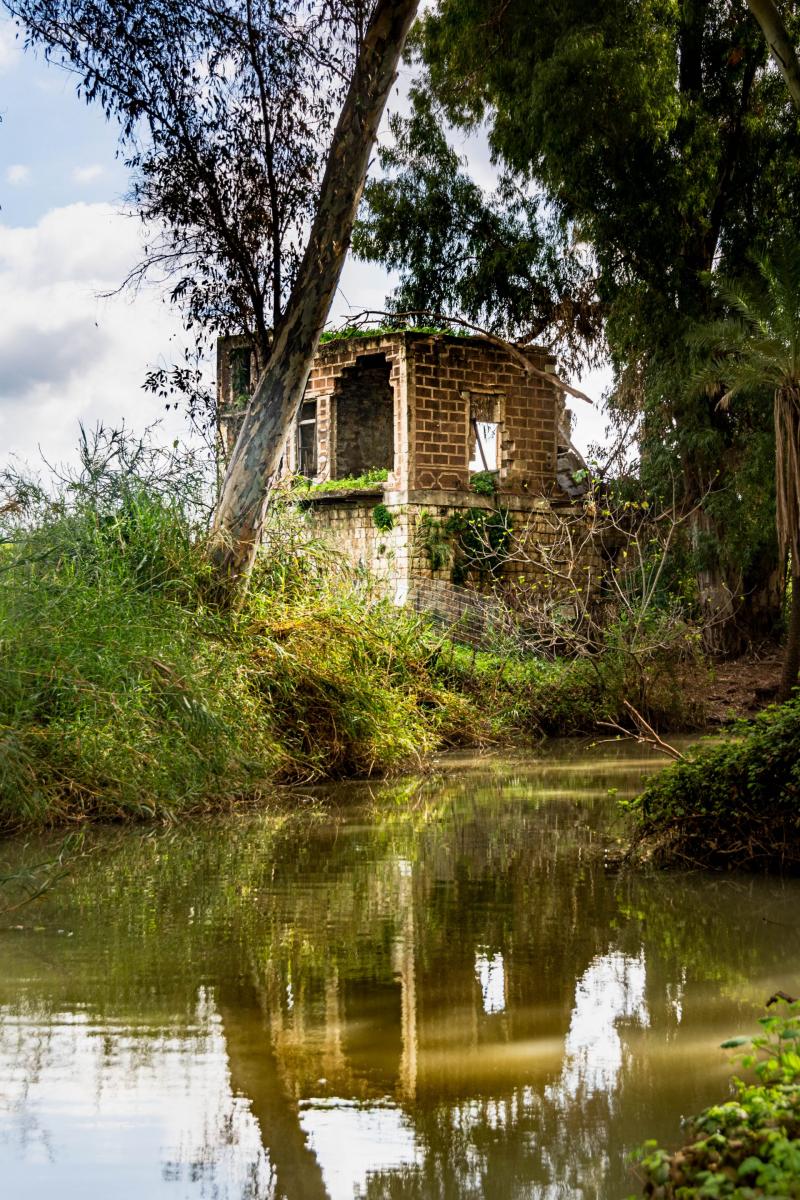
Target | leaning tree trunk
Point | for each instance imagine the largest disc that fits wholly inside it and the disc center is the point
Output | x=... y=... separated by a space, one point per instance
x=780 y=44
x=239 y=516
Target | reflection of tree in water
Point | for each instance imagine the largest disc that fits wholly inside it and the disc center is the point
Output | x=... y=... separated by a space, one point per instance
x=454 y=946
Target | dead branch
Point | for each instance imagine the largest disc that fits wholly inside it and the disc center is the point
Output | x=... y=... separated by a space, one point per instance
x=513 y=349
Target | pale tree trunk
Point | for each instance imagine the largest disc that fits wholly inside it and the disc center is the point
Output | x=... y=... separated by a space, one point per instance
x=239 y=515
x=780 y=44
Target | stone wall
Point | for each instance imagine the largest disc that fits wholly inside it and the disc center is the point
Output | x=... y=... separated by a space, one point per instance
x=347 y=524
x=401 y=566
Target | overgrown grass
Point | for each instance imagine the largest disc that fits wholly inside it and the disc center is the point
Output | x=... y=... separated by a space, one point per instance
x=349 y=332
x=124 y=693
x=732 y=805
x=370 y=479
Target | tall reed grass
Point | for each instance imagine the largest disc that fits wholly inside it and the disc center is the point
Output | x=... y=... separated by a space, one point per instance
x=125 y=693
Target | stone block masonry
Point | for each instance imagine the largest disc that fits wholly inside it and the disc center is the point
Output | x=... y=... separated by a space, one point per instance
x=429 y=410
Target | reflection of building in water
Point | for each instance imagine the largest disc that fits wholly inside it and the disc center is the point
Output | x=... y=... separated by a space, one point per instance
x=505 y=1046
x=611 y=991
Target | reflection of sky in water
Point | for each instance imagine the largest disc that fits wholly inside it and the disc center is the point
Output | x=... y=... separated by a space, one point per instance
x=114 y=1110
x=612 y=989
x=353 y=1141
x=491 y=974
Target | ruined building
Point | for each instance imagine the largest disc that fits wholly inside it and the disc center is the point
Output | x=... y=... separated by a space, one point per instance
x=426 y=432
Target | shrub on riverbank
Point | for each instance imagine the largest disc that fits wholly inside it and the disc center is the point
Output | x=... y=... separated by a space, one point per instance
x=732 y=805
x=745 y=1147
x=123 y=693
x=566 y=696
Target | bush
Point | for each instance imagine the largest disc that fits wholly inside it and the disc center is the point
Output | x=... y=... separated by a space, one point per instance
x=566 y=696
x=732 y=805
x=382 y=518
x=748 y=1146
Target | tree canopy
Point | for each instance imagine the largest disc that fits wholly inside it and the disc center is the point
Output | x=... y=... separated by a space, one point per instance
x=225 y=109
x=660 y=138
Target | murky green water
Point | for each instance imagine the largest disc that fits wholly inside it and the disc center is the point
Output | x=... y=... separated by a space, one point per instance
x=429 y=990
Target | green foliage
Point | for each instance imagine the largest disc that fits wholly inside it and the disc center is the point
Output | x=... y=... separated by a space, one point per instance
x=487 y=257
x=561 y=697
x=124 y=693
x=382 y=518
x=686 y=159
x=746 y=1147
x=484 y=483
x=736 y=804
x=755 y=350
x=433 y=538
x=350 y=332
x=302 y=488
x=481 y=538
x=473 y=540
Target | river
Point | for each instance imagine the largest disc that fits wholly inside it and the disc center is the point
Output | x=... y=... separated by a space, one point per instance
x=433 y=988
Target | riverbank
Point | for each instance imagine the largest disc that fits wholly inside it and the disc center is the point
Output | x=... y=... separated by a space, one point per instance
x=126 y=694
x=735 y=805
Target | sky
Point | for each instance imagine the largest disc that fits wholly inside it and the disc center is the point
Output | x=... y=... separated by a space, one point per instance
x=70 y=353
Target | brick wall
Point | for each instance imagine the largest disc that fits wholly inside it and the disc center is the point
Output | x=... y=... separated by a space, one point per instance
x=437 y=384
x=450 y=381
x=334 y=371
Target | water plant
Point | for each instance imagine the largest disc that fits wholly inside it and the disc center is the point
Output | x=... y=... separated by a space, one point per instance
x=748 y=1146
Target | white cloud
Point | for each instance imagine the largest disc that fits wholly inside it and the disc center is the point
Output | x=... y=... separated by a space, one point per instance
x=65 y=354
x=68 y=356
x=10 y=46
x=17 y=174
x=88 y=174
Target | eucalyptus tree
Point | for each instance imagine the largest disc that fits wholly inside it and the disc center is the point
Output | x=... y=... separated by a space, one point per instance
x=225 y=110
x=756 y=348
x=780 y=44
x=658 y=136
x=499 y=259
x=246 y=123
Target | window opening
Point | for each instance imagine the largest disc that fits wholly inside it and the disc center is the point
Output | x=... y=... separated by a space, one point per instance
x=307 y=439
x=485 y=450
x=364 y=422
x=240 y=366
